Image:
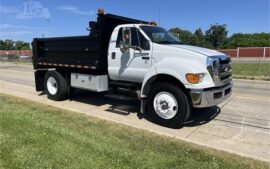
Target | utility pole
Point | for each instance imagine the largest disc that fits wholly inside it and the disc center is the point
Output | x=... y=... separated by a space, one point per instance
x=159 y=21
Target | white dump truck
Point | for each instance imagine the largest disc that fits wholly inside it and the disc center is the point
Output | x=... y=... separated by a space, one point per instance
x=121 y=53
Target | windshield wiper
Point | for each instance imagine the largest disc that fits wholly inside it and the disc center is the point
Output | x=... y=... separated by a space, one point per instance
x=164 y=42
x=168 y=42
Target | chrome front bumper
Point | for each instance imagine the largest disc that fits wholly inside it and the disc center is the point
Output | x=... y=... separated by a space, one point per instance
x=210 y=97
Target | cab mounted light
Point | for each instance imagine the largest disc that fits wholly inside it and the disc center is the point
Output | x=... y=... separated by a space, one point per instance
x=100 y=11
x=153 y=23
x=194 y=78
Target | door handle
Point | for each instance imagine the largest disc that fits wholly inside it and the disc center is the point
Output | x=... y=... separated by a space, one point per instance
x=113 y=55
x=145 y=57
x=144 y=54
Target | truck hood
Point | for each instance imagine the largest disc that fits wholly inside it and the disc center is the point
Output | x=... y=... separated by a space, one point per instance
x=200 y=50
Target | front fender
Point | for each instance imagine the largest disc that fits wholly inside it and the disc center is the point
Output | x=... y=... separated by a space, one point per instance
x=178 y=68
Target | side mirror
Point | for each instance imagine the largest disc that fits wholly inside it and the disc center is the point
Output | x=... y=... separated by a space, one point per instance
x=146 y=45
x=124 y=49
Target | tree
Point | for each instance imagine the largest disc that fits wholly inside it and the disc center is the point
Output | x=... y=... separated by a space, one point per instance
x=20 y=45
x=7 y=44
x=185 y=36
x=248 y=40
x=14 y=45
x=216 y=35
x=2 y=44
x=199 y=37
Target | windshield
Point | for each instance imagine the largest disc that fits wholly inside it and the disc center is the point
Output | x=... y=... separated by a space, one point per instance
x=160 y=35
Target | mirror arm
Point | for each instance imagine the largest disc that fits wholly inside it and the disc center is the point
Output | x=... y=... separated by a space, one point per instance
x=136 y=47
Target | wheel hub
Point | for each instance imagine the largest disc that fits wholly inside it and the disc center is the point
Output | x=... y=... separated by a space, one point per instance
x=165 y=105
x=52 y=85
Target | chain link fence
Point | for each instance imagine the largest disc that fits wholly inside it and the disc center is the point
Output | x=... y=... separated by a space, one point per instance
x=24 y=56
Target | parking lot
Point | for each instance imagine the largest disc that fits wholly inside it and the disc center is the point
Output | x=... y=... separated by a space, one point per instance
x=240 y=125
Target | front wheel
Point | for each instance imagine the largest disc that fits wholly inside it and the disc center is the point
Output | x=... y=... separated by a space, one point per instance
x=168 y=105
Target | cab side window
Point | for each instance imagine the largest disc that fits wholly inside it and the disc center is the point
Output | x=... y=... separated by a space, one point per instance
x=144 y=43
x=137 y=39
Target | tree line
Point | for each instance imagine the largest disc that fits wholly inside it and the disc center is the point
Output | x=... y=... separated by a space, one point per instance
x=9 y=44
x=216 y=37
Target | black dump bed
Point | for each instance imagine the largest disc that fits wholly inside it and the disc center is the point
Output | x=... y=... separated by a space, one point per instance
x=80 y=52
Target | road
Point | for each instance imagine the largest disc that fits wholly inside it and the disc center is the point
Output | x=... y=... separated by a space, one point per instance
x=240 y=125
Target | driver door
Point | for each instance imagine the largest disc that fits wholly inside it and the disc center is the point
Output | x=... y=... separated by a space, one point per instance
x=131 y=59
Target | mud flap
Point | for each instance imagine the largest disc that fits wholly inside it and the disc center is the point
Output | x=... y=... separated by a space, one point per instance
x=143 y=106
x=39 y=79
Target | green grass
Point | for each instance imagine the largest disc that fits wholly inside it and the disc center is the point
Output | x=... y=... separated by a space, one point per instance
x=35 y=136
x=259 y=71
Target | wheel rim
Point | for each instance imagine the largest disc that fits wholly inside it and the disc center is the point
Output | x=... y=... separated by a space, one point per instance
x=52 y=85
x=165 y=105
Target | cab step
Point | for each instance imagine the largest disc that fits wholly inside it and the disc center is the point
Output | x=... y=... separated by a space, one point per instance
x=122 y=84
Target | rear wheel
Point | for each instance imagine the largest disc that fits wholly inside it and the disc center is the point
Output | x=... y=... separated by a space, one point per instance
x=168 y=105
x=55 y=86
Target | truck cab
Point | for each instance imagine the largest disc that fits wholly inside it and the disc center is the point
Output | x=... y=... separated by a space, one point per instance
x=153 y=52
x=169 y=78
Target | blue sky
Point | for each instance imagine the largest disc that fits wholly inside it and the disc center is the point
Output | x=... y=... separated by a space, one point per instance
x=67 y=18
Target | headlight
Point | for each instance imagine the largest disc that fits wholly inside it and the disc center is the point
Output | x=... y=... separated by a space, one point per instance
x=194 y=78
x=209 y=65
x=212 y=65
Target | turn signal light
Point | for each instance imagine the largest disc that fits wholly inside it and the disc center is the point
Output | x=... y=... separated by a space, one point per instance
x=194 y=78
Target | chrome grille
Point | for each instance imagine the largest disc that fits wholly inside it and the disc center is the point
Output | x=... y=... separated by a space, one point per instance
x=220 y=69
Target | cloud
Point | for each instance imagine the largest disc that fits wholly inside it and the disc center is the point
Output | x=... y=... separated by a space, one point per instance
x=22 y=32
x=11 y=31
x=27 y=10
x=17 y=35
x=8 y=9
x=25 y=35
x=9 y=26
x=75 y=10
x=5 y=26
x=14 y=33
x=33 y=9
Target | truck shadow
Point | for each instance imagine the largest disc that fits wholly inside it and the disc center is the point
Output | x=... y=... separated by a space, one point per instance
x=115 y=104
x=198 y=117
x=202 y=116
x=126 y=106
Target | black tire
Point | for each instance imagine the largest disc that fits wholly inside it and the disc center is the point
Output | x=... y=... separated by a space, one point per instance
x=62 y=88
x=183 y=110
